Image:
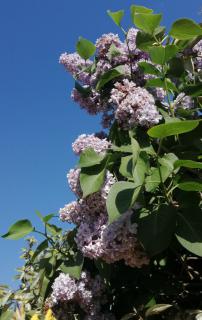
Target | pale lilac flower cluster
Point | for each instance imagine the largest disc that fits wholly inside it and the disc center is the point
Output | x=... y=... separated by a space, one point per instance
x=73 y=181
x=198 y=50
x=114 y=242
x=112 y=52
x=87 y=293
x=85 y=141
x=104 y=43
x=92 y=103
x=75 y=65
x=89 y=208
x=133 y=105
x=184 y=102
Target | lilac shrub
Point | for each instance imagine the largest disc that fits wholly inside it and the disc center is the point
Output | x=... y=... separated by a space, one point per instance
x=131 y=247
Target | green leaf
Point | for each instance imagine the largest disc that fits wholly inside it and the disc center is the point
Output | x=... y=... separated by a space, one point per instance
x=44 y=287
x=152 y=181
x=176 y=67
x=168 y=160
x=141 y=168
x=161 y=173
x=185 y=29
x=110 y=75
x=90 y=158
x=19 y=230
x=52 y=228
x=149 y=68
x=41 y=247
x=172 y=128
x=190 y=186
x=121 y=197
x=147 y=22
x=85 y=48
x=188 y=164
x=162 y=54
x=193 y=90
x=135 y=149
x=144 y=41
x=113 y=52
x=156 y=229
x=159 y=83
x=92 y=179
x=126 y=167
x=188 y=233
x=139 y=9
x=46 y=218
x=73 y=267
x=124 y=148
x=116 y=16
x=157 y=54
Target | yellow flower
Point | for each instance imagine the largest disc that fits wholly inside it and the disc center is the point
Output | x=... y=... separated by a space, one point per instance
x=49 y=315
x=35 y=317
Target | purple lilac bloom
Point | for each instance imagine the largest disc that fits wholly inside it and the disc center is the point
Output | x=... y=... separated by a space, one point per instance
x=73 y=181
x=134 y=105
x=85 y=141
x=111 y=243
x=76 y=65
x=183 y=101
x=87 y=293
x=89 y=208
x=104 y=43
x=92 y=103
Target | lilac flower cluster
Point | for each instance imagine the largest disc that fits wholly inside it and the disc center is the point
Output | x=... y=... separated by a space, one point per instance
x=75 y=65
x=95 y=238
x=111 y=242
x=184 y=102
x=138 y=107
x=84 y=142
x=87 y=293
x=73 y=181
x=89 y=208
x=197 y=49
x=133 y=105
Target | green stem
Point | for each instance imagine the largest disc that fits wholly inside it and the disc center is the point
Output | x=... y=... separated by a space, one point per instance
x=169 y=102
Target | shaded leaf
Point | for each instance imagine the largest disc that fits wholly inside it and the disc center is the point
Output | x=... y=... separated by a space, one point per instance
x=126 y=167
x=188 y=233
x=144 y=41
x=190 y=186
x=121 y=197
x=155 y=230
x=110 y=75
x=73 y=267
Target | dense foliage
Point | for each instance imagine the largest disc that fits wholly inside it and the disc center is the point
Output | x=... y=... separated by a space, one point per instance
x=135 y=244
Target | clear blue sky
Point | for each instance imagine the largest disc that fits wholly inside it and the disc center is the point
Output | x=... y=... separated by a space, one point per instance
x=38 y=120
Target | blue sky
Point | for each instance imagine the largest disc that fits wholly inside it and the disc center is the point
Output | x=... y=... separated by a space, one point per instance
x=38 y=120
